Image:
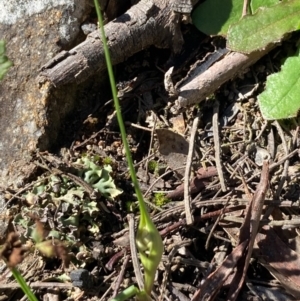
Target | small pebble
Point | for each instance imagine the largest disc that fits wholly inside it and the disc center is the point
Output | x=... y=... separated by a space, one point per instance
x=81 y=278
x=88 y=27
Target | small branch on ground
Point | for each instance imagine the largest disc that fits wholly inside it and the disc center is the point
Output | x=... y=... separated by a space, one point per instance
x=215 y=122
x=203 y=85
x=187 y=194
x=128 y=34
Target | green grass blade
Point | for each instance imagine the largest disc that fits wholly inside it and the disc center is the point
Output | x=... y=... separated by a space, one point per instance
x=148 y=239
x=118 y=109
x=25 y=288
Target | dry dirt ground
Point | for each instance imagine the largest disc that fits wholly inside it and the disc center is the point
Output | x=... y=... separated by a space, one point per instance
x=85 y=229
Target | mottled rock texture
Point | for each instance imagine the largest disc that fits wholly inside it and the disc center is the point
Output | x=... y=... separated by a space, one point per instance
x=35 y=31
x=52 y=76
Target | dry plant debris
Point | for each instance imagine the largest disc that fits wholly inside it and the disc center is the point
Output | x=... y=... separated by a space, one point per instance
x=244 y=239
x=13 y=251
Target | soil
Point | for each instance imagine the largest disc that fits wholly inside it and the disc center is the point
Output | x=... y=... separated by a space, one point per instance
x=85 y=229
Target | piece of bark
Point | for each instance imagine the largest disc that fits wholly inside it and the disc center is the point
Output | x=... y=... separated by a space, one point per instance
x=280 y=260
x=183 y=6
x=249 y=231
x=198 y=88
x=128 y=34
x=196 y=184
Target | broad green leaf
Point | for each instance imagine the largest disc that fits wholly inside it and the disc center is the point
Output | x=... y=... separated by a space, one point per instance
x=5 y=63
x=213 y=17
x=281 y=96
x=256 y=4
x=265 y=27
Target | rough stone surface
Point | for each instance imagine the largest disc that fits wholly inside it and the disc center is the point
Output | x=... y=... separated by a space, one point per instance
x=34 y=31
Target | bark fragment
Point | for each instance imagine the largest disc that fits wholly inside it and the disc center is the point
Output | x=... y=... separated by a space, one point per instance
x=201 y=86
x=128 y=34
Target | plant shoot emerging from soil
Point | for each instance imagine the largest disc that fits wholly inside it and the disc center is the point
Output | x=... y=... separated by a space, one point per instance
x=148 y=239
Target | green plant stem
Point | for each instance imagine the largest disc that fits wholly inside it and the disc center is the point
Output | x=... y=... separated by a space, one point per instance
x=143 y=208
x=127 y=293
x=25 y=288
x=148 y=239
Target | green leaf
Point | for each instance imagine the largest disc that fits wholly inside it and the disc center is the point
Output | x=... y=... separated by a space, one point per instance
x=94 y=228
x=100 y=178
x=5 y=63
x=106 y=184
x=72 y=221
x=281 y=96
x=150 y=246
x=54 y=234
x=89 y=207
x=267 y=26
x=213 y=17
x=39 y=189
x=38 y=233
x=256 y=4
x=46 y=248
x=25 y=288
x=126 y=294
x=73 y=197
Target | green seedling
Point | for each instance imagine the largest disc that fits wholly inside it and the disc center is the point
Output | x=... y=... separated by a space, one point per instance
x=148 y=239
x=156 y=168
x=99 y=177
x=107 y=161
x=160 y=199
x=130 y=206
x=152 y=165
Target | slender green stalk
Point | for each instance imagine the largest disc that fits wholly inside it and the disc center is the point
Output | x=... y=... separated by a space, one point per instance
x=25 y=288
x=126 y=294
x=118 y=111
x=148 y=239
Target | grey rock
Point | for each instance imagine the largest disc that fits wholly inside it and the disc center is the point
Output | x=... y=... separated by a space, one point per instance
x=81 y=278
x=35 y=31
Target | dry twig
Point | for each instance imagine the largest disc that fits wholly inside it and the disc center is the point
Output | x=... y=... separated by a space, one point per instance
x=121 y=276
x=187 y=195
x=134 y=257
x=215 y=122
x=286 y=163
x=250 y=229
x=215 y=225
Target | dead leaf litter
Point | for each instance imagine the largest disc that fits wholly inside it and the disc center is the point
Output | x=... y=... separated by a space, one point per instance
x=243 y=194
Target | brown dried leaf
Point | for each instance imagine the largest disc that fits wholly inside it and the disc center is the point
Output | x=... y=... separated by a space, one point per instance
x=196 y=184
x=280 y=260
x=56 y=248
x=173 y=147
x=178 y=123
x=249 y=230
x=215 y=280
x=13 y=252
